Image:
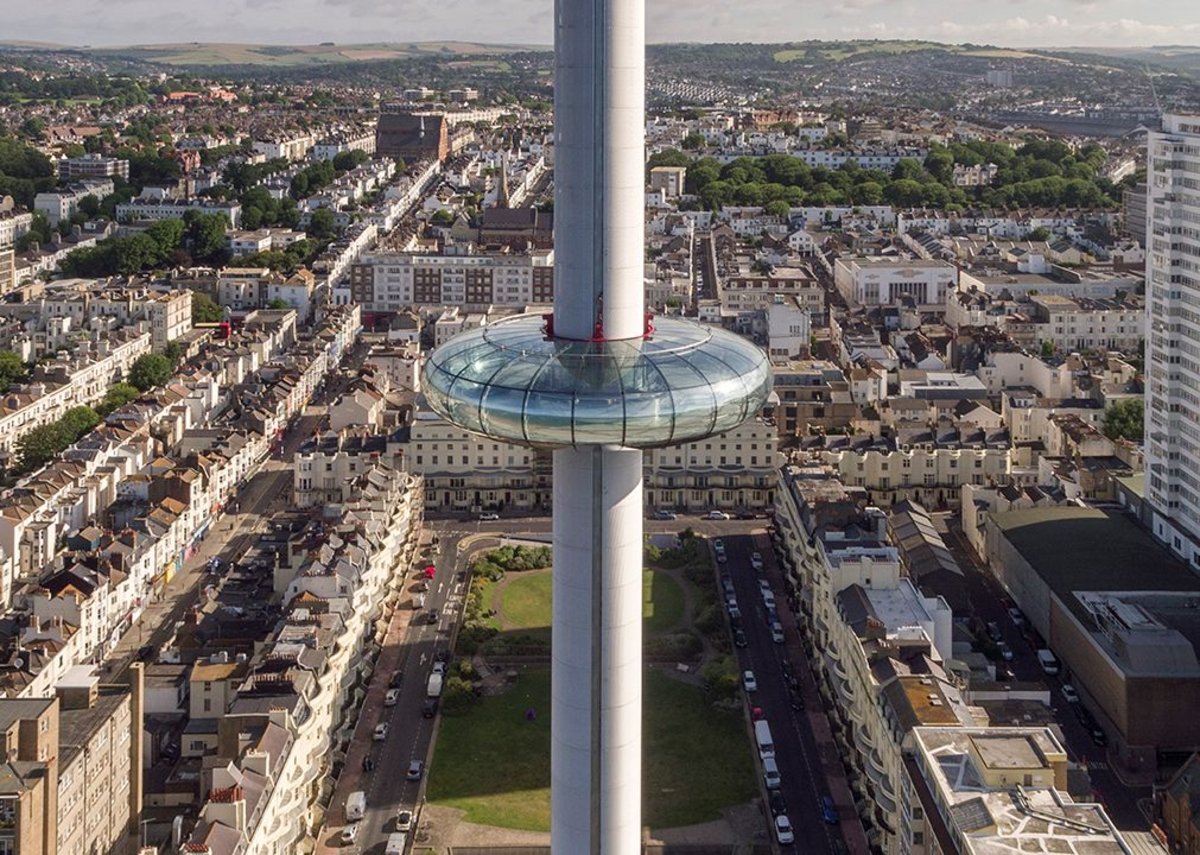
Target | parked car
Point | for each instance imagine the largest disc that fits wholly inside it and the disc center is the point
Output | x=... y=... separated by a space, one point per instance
x=368 y=765
x=349 y=835
x=716 y=515
x=145 y=653
x=1004 y=674
x=391 y=698
x=719 y=545
x=433 y=616
x=1099 y=737
x=739 y=638
x=765 y=587
x=665 y=514
x=993 y=631
x=1006 y=652
x=727 y=583
x=404 y=820
x=778 y=805
x=796 y=701
x=756 y=561
x=734 y=612
x=756 y=714
x=397 y=679
x=829 y=811
x=749 y=681
x=783 y=829
x=489 y=516
x=415 y=769
x=1068 y=692
x=429 y=708
x=1018 y=618
x=439 y=667
x=381 y=732
x=777 y=632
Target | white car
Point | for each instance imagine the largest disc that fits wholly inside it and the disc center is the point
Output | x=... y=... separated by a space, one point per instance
x=381 y=732
x=756 y=561
x=1070 y=694
x=349 y=834
x=769 y=599
x=489 y=517
x=783 y=829
x=439 y=668
x=404 y=820
x=716 y=515
x=749 y=681
x=765 y=587
x=391 y=698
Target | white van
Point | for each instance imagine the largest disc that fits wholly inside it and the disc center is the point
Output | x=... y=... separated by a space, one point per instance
x=1048 y=661
x=356 y=806
x=395 y=843
x=771 y=774
x=762 y=735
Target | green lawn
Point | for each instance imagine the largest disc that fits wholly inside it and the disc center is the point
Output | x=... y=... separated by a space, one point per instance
x=524 y=603
x=495 y=765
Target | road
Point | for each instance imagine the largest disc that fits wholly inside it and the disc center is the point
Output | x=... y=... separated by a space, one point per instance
x=231 y=534
x=411 y=649
x=796 y=752
x=988 y=602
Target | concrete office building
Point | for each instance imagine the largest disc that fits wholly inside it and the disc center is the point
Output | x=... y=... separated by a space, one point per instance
x=597 y=382
x=1172 y=369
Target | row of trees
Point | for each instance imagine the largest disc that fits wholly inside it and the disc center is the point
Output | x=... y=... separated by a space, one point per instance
x=198 y=237
x=45 y=442
x=1040 y=173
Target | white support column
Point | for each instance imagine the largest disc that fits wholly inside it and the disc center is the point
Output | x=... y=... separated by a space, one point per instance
x=596 y=682
x=599 y=163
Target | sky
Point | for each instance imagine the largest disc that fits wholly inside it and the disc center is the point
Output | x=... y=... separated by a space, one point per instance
x=1015 y=23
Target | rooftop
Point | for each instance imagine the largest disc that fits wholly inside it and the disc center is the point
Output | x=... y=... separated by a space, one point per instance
x=1002 y=792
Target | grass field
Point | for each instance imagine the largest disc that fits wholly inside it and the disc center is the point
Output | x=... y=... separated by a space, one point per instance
x=216 y=53
x=495 y=765
x=524 y=603
x=839 y=51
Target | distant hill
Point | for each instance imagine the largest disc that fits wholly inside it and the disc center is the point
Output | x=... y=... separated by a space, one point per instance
x=836 y=51
x=214 y=55
x=1182 y=58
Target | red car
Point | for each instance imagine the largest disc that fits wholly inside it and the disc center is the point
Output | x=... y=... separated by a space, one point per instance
x=756 y=713
x=430 y=571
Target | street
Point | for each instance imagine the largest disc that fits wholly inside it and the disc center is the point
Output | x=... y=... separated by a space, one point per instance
x=990 y=604
x=411 y=648
x=803 y=782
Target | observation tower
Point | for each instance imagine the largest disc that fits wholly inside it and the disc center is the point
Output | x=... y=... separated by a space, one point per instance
x=597 y=381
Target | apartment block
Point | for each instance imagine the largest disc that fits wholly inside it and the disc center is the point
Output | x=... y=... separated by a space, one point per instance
x=93 y=166
x=975 y=791
x=14 y=225
x=471 y=280
x=174 y=209
x=1172 y=368
x=868 y=281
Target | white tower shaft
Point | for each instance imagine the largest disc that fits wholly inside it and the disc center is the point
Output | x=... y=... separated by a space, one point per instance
x=596 y=726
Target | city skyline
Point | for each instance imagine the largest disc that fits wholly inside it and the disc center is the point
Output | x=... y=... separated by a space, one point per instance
x=1018 y=23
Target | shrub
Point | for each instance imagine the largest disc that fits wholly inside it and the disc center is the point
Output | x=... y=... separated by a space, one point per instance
x=458 y=696
x=677 y=645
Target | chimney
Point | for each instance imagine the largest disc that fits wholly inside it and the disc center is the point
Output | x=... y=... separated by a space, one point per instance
x=228 y=807
x=257 y=761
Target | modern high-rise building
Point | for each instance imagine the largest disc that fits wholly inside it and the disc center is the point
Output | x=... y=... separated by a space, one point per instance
x=1172 y=426
x=597 y=382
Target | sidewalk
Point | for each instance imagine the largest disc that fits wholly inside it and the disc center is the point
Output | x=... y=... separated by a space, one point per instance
x=828 y=753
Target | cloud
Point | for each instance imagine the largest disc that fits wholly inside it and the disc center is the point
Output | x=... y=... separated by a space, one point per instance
x=1018 y=23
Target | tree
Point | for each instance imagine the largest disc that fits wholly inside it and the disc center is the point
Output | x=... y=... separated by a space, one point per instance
x=117 y=396
x=11 y=369
x=79 y=420
x=1047 y=349
x=1040 y=233
x=204 y=310
x=279 y=304
x=40 y=445
x=321 y=225
x=173 y=351
x=1124 y=419
x=442 y=217
x=778 y=208
x=206 y=234
x=693 y=141
x=150 y=370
